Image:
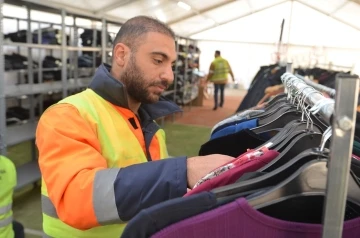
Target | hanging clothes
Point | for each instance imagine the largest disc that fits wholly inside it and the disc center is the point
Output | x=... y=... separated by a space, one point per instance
x=249 y=162
x=233 y=144
x=237 y=118
x=238 y=219
x=246 y=124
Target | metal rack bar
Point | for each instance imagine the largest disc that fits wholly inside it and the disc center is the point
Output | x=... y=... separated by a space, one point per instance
x=2 y=87
x=319 y=87
x=342 y=117
x=298 y=85
x=343 y=128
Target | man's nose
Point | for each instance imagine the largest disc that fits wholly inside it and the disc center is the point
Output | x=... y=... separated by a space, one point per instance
x=168 y=75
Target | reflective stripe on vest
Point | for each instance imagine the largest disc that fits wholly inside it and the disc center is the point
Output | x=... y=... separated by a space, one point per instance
x=5 y=222
x=5 y=209
x=121 y=147
x=221 y=69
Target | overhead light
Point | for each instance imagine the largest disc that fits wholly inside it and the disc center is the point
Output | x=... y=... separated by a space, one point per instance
x=160 y=15
x=184 y=6
x=211 y=21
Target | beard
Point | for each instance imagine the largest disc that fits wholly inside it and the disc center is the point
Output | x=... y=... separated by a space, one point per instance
x=136 y=84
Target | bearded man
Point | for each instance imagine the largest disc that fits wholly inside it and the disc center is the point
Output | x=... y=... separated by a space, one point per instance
x=102 y=156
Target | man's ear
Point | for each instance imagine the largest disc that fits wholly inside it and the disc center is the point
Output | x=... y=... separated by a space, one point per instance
x=121 y=52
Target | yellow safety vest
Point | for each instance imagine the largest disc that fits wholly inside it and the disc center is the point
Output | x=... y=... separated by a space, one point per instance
x=7 y=185
x=119 y=147
x=221 y=70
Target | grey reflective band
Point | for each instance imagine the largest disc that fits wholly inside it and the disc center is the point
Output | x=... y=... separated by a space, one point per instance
x=5 y=222
x=104 y=197
x=5 y=209
x=48 y=207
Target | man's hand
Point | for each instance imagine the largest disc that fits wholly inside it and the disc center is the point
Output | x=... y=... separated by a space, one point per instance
x=199 y=166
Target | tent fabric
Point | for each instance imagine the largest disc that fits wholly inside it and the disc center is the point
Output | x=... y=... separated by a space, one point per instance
x=239 y=20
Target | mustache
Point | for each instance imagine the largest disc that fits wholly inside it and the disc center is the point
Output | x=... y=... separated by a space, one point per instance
x=161 y=83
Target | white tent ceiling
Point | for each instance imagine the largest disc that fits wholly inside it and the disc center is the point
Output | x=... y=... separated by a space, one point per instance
x=334 y=23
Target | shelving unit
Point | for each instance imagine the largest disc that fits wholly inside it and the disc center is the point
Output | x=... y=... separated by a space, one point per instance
x=13 y=86
x=28 y=85
x=185 y=86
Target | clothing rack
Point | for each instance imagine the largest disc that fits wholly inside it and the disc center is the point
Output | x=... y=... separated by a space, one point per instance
x=330 y=91
x=342 y=117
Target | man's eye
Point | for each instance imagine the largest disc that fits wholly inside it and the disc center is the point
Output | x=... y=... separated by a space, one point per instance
x=157 y=61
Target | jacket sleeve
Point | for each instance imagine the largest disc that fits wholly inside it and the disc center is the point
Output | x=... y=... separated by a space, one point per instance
x=83 y=190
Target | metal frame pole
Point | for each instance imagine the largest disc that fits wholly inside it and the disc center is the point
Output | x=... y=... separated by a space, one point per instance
x=63 y=56
x=30 y=64
x=103 y=40
x=76 y=53
x=343 y=127
x=40 y=71
x=94 y=44
x=2 y=87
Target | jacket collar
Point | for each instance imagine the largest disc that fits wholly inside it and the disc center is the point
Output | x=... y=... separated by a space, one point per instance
x=114 y=91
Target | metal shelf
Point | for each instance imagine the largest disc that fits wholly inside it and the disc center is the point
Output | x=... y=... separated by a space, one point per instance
x=27 y=173
x=20 y=133
x=37 y=46
x=26 y=89
x=82 y=48
x=51 y=47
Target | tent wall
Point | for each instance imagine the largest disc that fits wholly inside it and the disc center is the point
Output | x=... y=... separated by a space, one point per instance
x=246 y=58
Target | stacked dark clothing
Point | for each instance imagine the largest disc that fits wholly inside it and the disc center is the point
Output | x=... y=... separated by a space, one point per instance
x=266 y=76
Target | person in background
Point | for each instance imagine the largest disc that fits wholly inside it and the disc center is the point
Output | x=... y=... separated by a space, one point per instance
x=8 y=227
x=218 y=75
x=102 y=157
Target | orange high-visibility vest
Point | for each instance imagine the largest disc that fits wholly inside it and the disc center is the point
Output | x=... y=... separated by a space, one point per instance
x=119 y=146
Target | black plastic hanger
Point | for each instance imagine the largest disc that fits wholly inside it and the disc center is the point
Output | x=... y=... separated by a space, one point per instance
x=279 y=136
x=274 y=108
x=275 y=99
x=277 y=123
x=274 y=177
x=275 y=114
x=309 y=180
x=299 y=144
x=295 y=130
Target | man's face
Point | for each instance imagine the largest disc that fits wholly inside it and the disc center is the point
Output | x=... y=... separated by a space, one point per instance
x=148 y=71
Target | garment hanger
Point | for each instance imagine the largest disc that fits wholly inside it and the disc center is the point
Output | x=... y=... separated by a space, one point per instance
x=272 y=178
x=309 y=180
x=289 y=148
x=277 y=123
x=301 y=127
x=274 y=108
x=277 y=120
x=284 y=169
x=275 y=99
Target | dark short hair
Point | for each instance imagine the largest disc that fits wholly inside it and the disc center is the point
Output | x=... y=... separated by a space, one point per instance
x=217 y=52
x=130 y=33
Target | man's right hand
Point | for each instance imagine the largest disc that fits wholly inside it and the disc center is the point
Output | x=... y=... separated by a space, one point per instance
x=199 y=166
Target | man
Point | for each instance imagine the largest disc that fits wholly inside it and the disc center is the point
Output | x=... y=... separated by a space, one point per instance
x=93 y=146
x=8 y=227
x=218 y=74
